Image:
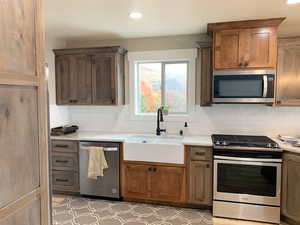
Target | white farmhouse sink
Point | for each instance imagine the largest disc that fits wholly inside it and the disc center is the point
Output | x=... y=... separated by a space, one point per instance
x=154 y=149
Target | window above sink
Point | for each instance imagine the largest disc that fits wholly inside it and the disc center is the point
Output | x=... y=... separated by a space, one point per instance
x=162 y=78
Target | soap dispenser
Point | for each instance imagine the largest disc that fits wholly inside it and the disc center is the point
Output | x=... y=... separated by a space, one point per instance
x=186 y=129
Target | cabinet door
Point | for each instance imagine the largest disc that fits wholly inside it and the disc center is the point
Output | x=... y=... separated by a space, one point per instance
x=226 y=49
x=288 y=73
x=135 y=181
x=259 y=48
x=104 y=79
x=200 y=183
x=73 y=79
x=290 y=186
x=168 y=183
x=63 y=79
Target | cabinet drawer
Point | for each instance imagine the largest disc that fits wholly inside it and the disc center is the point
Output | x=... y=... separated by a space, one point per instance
x=200 y=153
x=64 y=146
x=65 y=181
x=65 y=161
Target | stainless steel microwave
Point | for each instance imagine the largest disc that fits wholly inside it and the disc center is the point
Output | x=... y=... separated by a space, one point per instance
x=244 y=86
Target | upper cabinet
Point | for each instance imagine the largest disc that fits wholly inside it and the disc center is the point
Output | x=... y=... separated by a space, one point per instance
x=91 y=76
x=245 y=44
x=288 y=72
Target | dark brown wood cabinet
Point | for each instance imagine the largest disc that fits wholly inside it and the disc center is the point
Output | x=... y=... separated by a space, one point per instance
x=288 y=72
x=154 y=182
x=65 y=166
x=245 y=44
x=200 y=176
x=204 y=77
x=290 y=202
x=73 y=80
x=91 y=76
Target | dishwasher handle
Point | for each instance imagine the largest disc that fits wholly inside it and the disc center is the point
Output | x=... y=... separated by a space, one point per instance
x=106 y=149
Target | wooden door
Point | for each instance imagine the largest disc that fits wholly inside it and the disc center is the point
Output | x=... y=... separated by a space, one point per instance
x=104 y=79
x=200 y=179
x=135 y=181
x=290 y=206
x=74 y=79
x=168 y=183
x=259 y=48
x=227 y=49
x=24 y=176
x=288 y=72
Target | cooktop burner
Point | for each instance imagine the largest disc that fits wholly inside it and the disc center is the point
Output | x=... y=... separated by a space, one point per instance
x=243 y=140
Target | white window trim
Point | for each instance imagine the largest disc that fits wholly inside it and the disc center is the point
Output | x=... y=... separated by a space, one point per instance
x=189 y=55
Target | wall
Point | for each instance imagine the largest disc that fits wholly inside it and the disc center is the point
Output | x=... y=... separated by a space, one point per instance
x=238 y=119
x=58 y=114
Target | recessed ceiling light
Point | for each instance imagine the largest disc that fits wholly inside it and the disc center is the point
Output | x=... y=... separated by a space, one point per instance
x=135 y=15
x=292 y=2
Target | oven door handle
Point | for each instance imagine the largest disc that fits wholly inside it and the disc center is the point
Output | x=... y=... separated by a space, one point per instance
x=247 y=159
x=265 y=86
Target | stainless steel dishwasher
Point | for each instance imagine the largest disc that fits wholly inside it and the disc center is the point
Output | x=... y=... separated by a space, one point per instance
x=109 y=184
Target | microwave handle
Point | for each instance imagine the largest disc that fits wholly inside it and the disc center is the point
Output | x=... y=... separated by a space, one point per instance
x=265 y=86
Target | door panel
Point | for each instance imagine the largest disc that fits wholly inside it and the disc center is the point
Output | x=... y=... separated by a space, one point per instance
x=24 y=165
x=290 y=186
x=81 y=80
x=104 y=78
x=135 y=181
x=162 y=177
x=226 y=49
x=63 y=79
x=262 y=48
x=17 y=45
x=201 y=182
x=19 y=154
x=288 y=74
x=29 y=215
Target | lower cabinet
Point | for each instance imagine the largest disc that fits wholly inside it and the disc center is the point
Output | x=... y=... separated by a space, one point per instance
x=290 y=206
x=200 y=183
x=154 y=182
x=200 y=179
x=65 y=166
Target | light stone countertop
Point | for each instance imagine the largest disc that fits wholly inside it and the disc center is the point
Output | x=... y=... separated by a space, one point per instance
x=201 y=140
x=286 y=147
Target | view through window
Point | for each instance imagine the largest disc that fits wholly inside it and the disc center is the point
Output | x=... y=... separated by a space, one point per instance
x=162 y=84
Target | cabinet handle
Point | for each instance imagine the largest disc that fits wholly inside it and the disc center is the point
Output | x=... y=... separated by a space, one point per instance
x=73 y=101
x=207 y=165
x=200 y=153
x=150 y=169
x=154 y=169
x=62 y=146
x=278 y=102
x=241 y=64
x=61 y=161
x=246 y=64
x=62 y=180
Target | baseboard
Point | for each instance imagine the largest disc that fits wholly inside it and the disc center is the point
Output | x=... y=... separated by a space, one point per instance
x=289 y=221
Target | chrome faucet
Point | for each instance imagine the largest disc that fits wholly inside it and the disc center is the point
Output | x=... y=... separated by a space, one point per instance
x=160 y=118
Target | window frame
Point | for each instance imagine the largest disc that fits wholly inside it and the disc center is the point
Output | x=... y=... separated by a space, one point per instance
x=177 y=55
x=163 y=86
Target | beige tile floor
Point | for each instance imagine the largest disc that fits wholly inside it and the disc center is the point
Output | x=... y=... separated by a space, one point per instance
x=83 y=211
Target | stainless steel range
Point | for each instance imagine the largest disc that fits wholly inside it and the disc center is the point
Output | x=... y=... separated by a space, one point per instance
x=247 y=178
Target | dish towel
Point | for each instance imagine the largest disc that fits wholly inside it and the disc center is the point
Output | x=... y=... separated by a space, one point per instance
x=97 y=162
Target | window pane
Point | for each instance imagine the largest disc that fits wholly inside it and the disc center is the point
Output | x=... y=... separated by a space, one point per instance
x=149 y=99
x=176 y=87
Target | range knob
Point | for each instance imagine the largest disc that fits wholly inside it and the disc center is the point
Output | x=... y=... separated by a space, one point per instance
x=224 y=143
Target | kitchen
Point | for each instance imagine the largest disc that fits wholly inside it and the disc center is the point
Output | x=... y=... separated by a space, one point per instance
x=153 y=120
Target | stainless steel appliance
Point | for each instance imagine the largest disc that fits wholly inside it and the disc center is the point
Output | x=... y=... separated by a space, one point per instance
x=247 y=178
x=109 y=184
x=244 y=86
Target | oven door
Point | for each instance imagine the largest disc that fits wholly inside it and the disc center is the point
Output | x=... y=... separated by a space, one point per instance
x=247 y=181
x=243 y=88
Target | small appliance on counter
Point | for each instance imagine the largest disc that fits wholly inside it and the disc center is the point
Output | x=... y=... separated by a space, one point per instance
x=247 y=178
x=63 y=130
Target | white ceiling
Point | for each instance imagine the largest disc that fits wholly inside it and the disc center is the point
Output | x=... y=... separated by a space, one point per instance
x=108 y=19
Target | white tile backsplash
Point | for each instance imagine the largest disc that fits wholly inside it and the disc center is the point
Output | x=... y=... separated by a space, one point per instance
x=234 y=119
